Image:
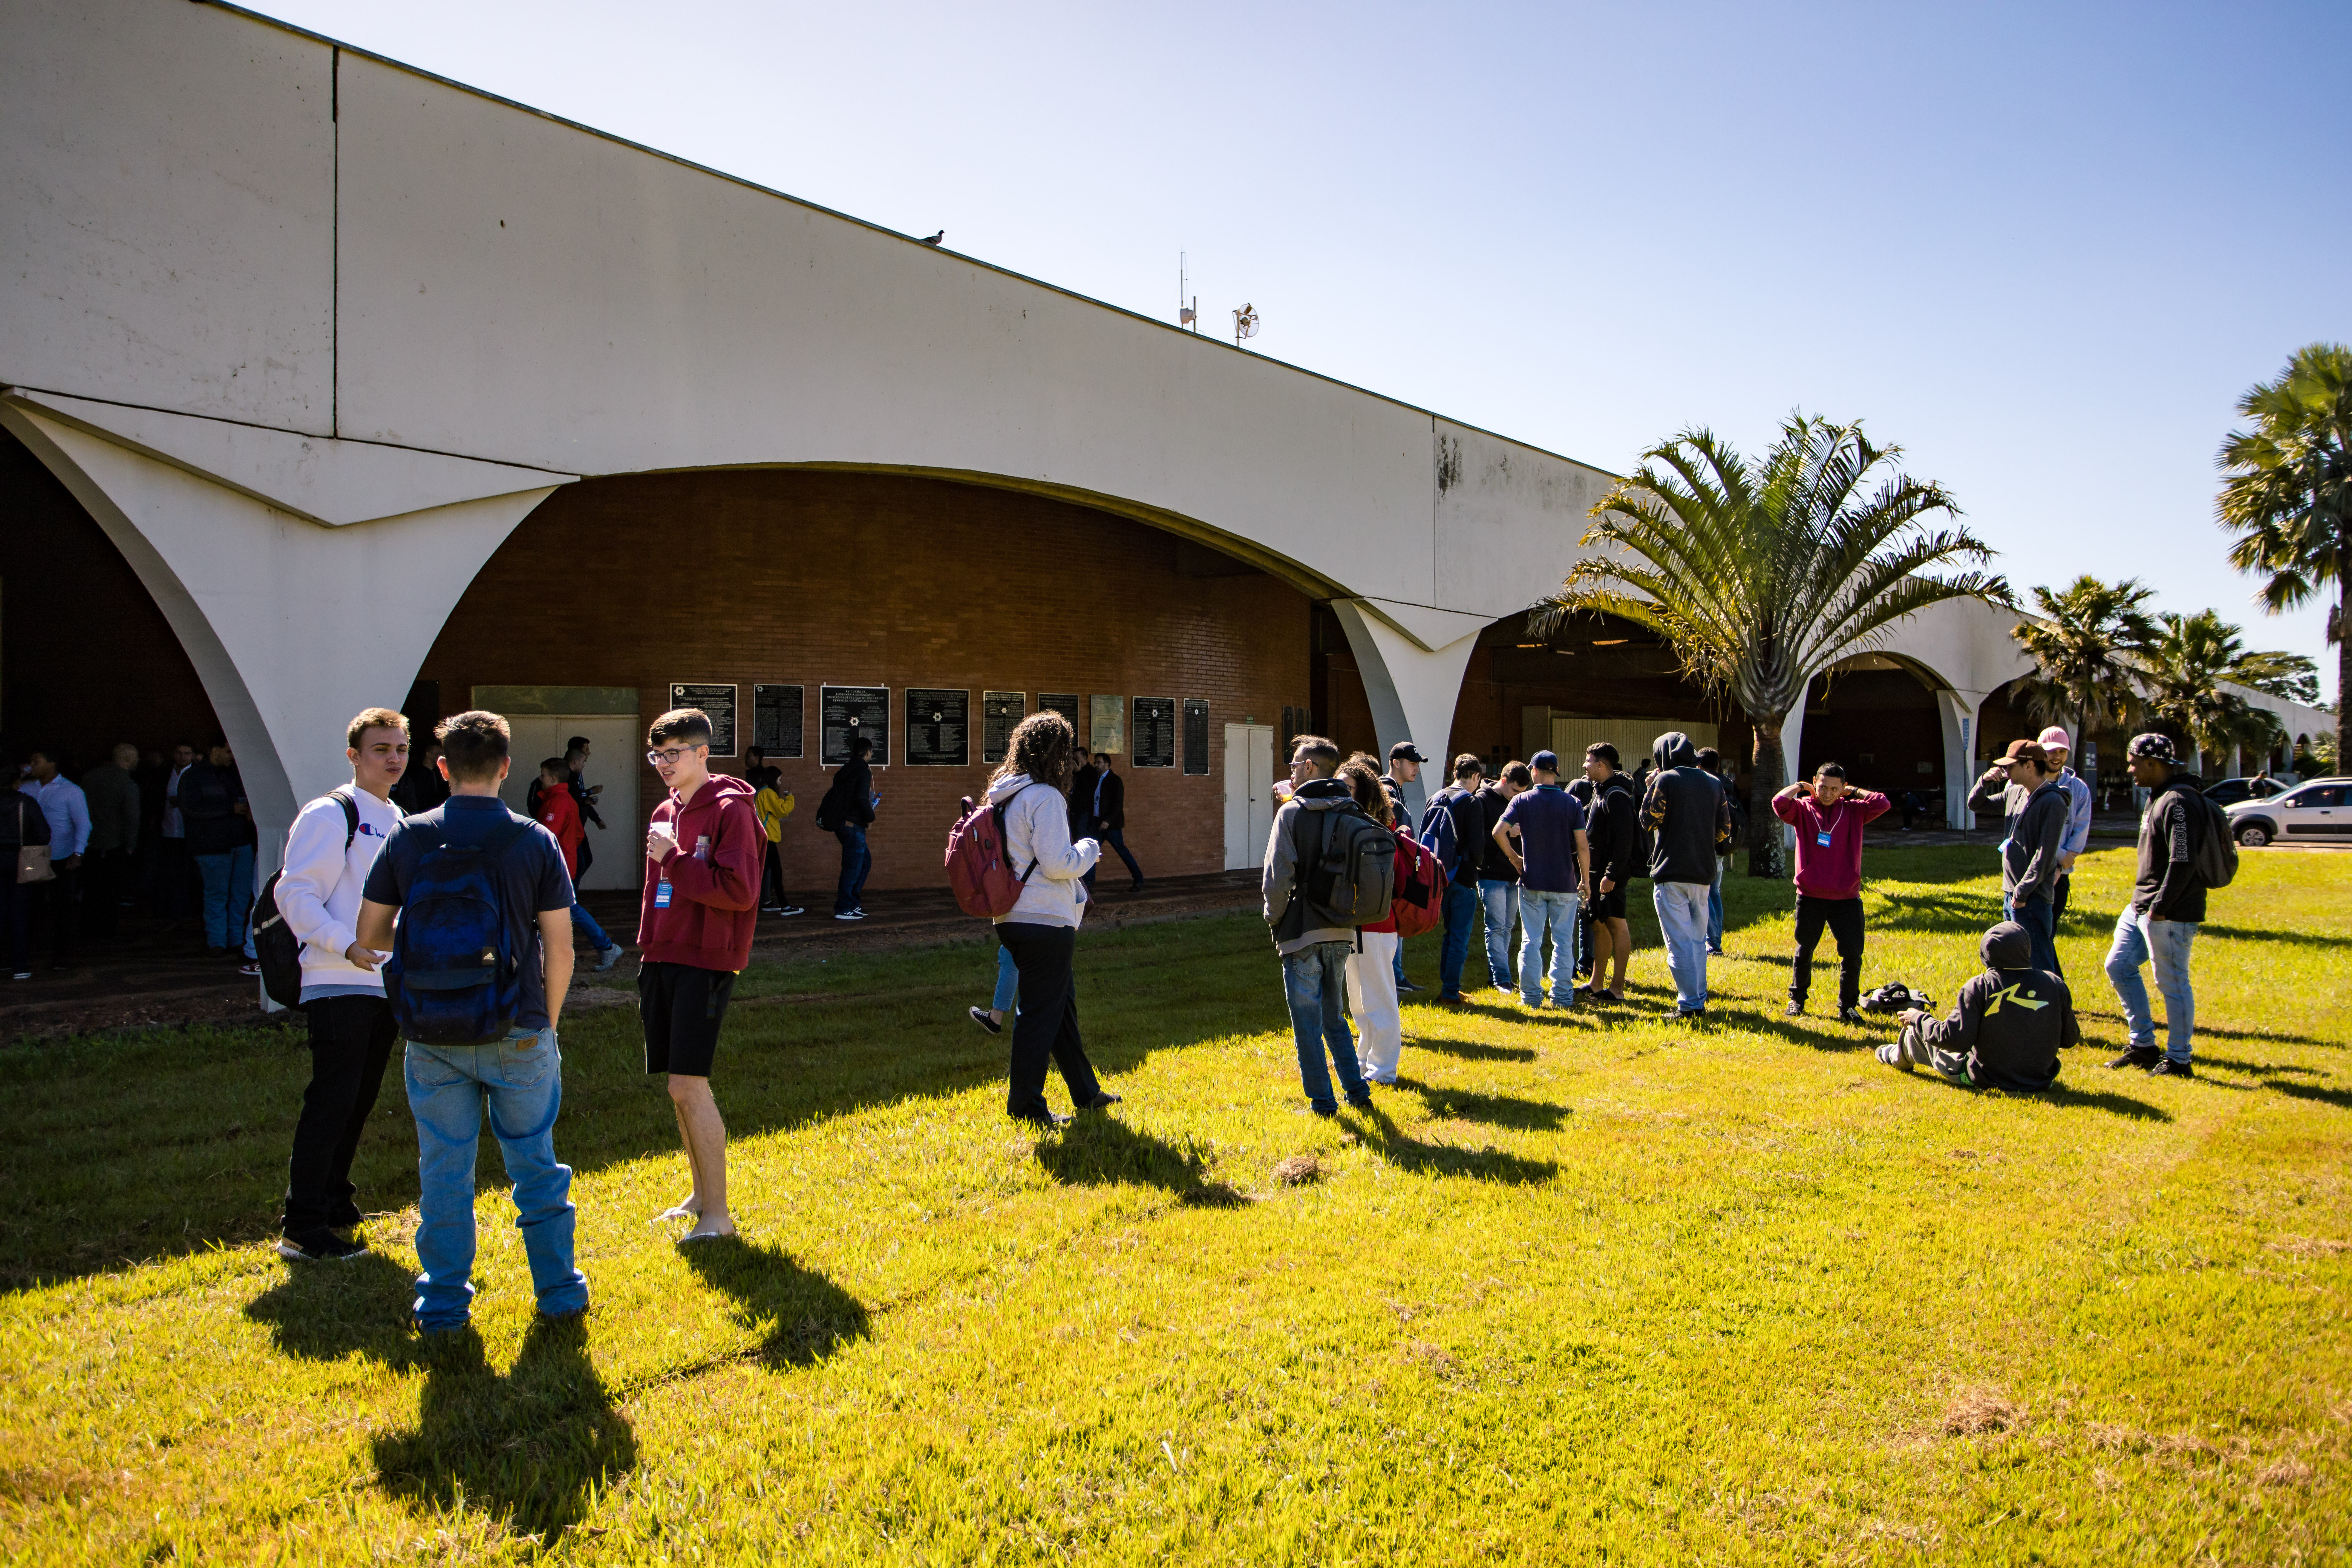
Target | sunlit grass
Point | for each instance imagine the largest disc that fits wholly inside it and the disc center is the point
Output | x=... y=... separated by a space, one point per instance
x=1582 y=1288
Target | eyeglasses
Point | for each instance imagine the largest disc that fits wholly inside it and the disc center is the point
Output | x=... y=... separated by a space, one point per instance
x=669 y=757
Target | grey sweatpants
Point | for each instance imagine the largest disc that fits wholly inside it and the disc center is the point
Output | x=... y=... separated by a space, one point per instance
x=1910 y=1051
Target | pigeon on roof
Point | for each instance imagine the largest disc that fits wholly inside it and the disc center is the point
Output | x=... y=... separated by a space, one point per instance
x=935 y=239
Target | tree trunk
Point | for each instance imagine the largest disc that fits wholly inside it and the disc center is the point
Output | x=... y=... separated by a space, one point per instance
x=2343 y=665
x=1768 y=774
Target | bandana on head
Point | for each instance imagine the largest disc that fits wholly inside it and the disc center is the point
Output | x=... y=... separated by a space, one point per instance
x=2157 y=748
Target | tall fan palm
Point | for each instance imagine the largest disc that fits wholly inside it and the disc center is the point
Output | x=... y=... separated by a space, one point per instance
x=2287 y=495
x=2187 y=662
x=2081 y=647
x=1759 y=574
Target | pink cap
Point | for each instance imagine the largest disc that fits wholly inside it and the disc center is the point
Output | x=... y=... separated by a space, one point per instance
x=2055 y=736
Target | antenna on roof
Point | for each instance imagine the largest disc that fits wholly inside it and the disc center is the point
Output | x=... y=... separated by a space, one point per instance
x=1188 y=314
x=1245 y=324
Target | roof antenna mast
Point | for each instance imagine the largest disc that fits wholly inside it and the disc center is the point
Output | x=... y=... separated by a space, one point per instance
x=1188 y=313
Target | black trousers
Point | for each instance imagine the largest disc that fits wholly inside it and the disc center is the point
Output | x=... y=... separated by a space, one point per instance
x=106 y=888
x=1843 y=917
x=2058 y=900
x=771 y=877
x=351 y=1040
x=59 y=900
x=1048 y=1022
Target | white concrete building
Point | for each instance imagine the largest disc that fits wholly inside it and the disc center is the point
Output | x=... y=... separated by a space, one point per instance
x=308 y=334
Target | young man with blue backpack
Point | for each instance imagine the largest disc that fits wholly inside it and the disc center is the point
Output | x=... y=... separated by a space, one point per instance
x=480 y=961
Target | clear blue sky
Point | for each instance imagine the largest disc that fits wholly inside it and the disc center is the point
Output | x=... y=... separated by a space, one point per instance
x=2043 y=246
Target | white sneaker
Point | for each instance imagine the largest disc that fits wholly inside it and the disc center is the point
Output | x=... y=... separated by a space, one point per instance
x=852 y=915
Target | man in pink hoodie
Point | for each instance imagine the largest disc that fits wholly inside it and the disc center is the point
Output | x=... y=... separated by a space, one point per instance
x=701 y=902
x=1829 y=819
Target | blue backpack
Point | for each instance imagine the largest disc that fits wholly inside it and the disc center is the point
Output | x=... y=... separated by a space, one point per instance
x=454 y=978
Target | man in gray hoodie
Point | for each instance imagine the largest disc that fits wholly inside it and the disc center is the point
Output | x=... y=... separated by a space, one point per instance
x=1684 y=807
x=1313 y=958
x=2035 y=805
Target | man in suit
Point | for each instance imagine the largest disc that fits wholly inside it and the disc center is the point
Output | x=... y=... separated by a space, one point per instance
x=1106 y=811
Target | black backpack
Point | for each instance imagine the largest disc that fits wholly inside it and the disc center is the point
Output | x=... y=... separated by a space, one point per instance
x=2212 y=844
x=1347 y=867
x=275 y=944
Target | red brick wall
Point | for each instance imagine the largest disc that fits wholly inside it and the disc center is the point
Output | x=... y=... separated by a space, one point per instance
x=781 y=575
x=85 y=657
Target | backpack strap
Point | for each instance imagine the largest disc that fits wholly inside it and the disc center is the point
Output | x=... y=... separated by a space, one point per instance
x=351 y=817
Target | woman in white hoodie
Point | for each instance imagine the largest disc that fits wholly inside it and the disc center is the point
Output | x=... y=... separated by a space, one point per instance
x=1041 y=932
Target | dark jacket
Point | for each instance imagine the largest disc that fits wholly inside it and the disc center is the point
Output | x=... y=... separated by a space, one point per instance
x=1687 y=808
x=113 y=797
x=1611 y=830
x=2169 y=888
x=22 y=824
x=1082 y=802
x=1450 y=828
x=2011 y=1020
x=208 y=797
x=1494 y=866
x=2030 y=855
x=1112 y=818
x=421 y=788
x=849 y=803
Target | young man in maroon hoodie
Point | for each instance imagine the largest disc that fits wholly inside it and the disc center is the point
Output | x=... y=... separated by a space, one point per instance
x=1828 y=817
x=694 y=933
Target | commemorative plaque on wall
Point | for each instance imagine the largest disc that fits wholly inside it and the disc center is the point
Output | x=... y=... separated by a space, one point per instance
x=719 y=702
x=776 y=720
x=939 y=728
x=1107 y=724
x=1196 y=736
x=845 y=713
x=1000 y=713
x=1065 y=703
x=1155 y=732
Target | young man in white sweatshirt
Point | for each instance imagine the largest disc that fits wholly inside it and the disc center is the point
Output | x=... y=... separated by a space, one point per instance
x=329 y=853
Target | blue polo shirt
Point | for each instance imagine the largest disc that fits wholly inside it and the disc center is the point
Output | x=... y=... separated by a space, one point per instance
x=1548 y=819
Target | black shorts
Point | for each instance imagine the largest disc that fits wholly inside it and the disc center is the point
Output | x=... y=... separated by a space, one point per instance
x=1610 y=905
x=682 y=1007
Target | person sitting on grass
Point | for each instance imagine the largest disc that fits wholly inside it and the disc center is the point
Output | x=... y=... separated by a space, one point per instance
x=2006 y=1028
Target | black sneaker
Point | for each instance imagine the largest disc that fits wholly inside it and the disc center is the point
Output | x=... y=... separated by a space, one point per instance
x=1361 y=1102
x=1103 y=1101
x=979 y=1016
x=1795 y=1009
x=1406 y=988
x=2171 y=1066
x=1042 y=1117
x=320 y=1248
x=2138 y=1056
x=788 y=910
x=1850 y=1016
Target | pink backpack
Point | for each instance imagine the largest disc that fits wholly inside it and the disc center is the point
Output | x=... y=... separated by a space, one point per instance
x=978 y=869
x=1420 y=886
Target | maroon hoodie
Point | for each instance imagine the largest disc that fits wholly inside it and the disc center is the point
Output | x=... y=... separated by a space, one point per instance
x=714 y=880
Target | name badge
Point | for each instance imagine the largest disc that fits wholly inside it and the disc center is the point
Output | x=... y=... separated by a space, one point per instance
x=1823 y=838
x=661 y=894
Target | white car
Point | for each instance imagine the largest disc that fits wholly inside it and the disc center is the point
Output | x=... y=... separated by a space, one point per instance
x=2318 y=811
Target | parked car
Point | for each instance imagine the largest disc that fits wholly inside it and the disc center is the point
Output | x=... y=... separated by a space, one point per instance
x=2319 y=812
x=2229 y=792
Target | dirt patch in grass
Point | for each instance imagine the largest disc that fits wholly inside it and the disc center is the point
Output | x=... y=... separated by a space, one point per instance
x=1975 y=1411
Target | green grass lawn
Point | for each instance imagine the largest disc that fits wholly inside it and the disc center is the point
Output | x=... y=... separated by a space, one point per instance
x=1583 y=1287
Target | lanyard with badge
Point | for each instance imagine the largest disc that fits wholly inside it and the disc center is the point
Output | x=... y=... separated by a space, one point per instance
x=662 y=888
x=1823 y=835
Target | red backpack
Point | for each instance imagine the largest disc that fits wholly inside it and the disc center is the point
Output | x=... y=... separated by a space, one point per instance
x=1420 y=886
x=979 y=869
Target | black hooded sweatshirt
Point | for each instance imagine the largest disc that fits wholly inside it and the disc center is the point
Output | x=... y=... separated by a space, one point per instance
x=1685 y=807
x=2011 y=1020
x=2168 y=887
x=1611 y=830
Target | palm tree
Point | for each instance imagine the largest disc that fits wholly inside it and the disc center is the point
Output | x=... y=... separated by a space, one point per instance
x=1761 y=574
x=2189 y=663
x=2292 y=676
x=2082 y=649
x=2287 y=496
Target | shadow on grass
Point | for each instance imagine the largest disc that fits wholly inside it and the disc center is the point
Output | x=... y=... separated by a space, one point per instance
x=1757 y=1020
x=804 y=1316
x=2291 y=937
x=325 y=1311
x=1101 y=1150
x=1423 y=1158
x=1470 y=1051
x=2339 y=1098
x=529 y=1446
x=1502 y=1110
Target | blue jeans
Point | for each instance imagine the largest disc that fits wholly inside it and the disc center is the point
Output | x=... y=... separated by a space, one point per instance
x=1539 y=912
x=2138 y=941
x=1501 y=901
x=1315 y=983
x=521 y=1079
x=1682 y=921
x=2040 y=919
x=856 y=862
x=581 y=920
x=1008 y=982
x=1714 y=906
x=1115 y=838
x=228 y=897
x=1461 y=910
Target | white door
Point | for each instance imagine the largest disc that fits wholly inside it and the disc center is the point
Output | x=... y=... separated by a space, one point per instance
x=614 y=743
x=1249 y=793
x=2317 y=811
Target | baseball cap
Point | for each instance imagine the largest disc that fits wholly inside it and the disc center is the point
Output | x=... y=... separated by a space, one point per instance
x=2026 y=751
x=1547 y=761
x=2157 y=748
x=2055 y=739
x=1406 y=752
